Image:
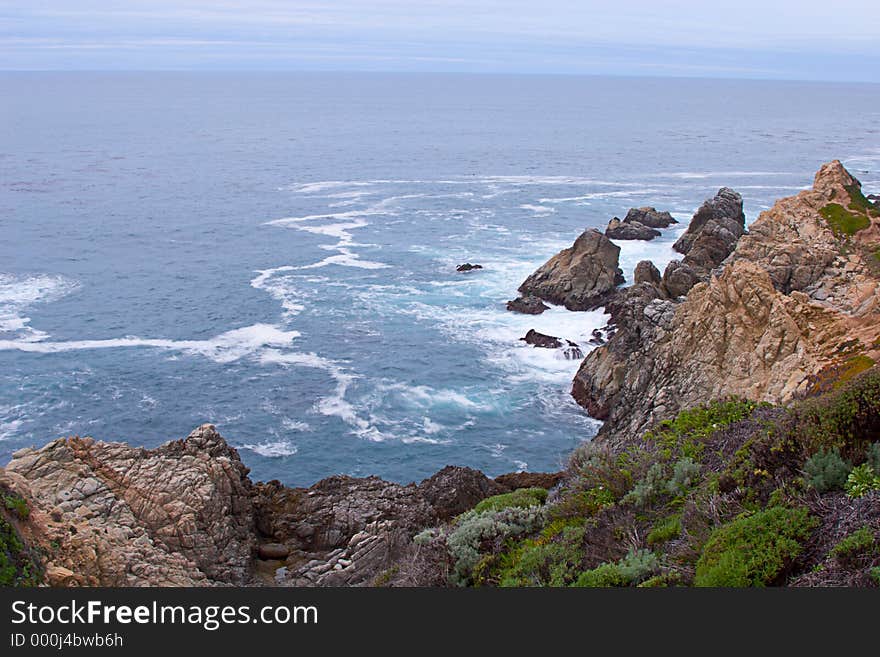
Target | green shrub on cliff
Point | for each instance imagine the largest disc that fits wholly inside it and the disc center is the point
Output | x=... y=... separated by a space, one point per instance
x=753 y=549
x=635 y=567
x=843 y=221
x=872 y=456
x=665 y=530
x=477 y=533
x=826 y=470
x=522 y=498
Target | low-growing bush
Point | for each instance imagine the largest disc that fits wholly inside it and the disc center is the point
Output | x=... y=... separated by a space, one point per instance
x=522 y=498
x=648 y=488
x=665 y=530
x=635 y=567
x=753 y=550
x=872 y=456
x=826 y=470
x=860 y=541
x=685 y=475
x=862 y=480
x=477 y=533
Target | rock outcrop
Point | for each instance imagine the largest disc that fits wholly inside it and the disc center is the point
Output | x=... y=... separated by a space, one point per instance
x=581 y=277
x=630 y=230
x=648 y=216
x=179 y=515
x=466 y=267
x=791 y=300
x=529 y=305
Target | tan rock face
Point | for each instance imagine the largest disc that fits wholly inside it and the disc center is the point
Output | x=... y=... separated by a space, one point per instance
x=581 y=277
x=793 y=300
x=114 y=515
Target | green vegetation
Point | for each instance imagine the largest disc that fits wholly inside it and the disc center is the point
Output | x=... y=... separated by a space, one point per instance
x=17 y=567
x=860 y=203
x=522 y=498
x=842 y=221
x=861 y=540
x=731 y=493
x=826 y=470
x=17 y=505
x=862 y=480
x=665 y=530
x=636 y=566
x=753 y=550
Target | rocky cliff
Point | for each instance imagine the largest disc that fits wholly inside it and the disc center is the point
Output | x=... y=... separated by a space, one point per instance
x=795 y=301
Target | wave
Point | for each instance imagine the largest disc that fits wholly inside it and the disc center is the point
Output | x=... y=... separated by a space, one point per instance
x=224 y=348
x=538 y=209
x=17 y=294
x=272 y=449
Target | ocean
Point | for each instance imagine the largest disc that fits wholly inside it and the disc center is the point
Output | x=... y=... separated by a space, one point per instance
x=275 y=253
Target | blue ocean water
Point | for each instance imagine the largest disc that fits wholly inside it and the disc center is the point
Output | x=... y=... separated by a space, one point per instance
x=275 y=253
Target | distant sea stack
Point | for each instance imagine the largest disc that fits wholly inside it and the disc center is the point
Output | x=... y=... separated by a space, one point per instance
x=765 y=315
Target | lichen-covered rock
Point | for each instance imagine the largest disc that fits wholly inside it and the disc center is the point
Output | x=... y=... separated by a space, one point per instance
x=581 y=277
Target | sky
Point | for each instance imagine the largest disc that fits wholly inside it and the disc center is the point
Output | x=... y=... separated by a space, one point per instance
x=775 y=39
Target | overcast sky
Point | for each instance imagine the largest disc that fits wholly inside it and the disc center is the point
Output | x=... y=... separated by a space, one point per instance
x=797 y=39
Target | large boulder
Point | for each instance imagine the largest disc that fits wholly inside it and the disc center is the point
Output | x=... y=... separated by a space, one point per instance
x=646 y=272
x=581 y=277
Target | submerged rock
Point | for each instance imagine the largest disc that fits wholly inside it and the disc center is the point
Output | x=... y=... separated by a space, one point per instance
x=468 y=267
x=581 y=277
x=541 y=340
x=528 y=305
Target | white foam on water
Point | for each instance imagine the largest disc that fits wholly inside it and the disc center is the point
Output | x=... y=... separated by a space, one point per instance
x=280 y=288
x=8 y=428
x=538 y=209
x=272 y=449
x=224 y=348
x=701 y=175
x=18 y=293
x=345 y=258
x=430 y=427
x=294 y=425
x=594 y=195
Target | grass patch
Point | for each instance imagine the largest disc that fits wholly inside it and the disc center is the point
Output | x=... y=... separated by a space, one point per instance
x=687 y=433
x=753 y=550
x=665 y=530
x=843 y=221
x=521 y=498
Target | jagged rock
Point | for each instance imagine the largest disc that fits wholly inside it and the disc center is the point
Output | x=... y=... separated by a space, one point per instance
x=629 y=230
x=714 y=230
x=468 y=267
x=572 y=351
x=454 y=490
x=581 y=277
x=528 y=305
x=536 y=339
x=747 y=331
x=648 y=216
x=678 y=279
x=179 y=515
x=646 y=272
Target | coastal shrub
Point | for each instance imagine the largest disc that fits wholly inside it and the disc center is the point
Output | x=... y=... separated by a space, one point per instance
x=665 y=530
x=477 y=533
x=753 y=550
x=596 y=467
x=685 y=475
x=636 y=566
x=860 y=541
x=649 y=488
x=686 y=434
x=861 y=481
x=845 y=418
x=522 y=498
x=875 y=575
x=17 y=505
x=826 y=470
x=17 y=565
x=872 y=456
x=551 y=559
x=843 y=221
